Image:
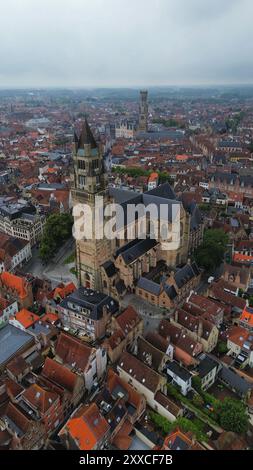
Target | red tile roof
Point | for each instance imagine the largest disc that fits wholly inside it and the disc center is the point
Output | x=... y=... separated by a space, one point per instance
x=26 y=318
x=128 y=320
x=40 y=398
x=87 y=427
x=74 y=352
x=59 y=374
x=14 y=282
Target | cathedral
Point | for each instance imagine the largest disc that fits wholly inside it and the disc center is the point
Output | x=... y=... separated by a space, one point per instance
x=114 y=266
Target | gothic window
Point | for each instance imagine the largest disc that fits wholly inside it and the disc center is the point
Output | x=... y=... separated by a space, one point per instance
x=94 y=164
x=105 y=284
x=81 y=164
x=81 y=180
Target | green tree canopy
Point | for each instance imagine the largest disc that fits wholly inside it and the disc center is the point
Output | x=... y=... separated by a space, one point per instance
x=211 y=253
x=233 y=416
x=57 y=230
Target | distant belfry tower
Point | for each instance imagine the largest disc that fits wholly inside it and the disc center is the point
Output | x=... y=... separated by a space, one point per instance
x=89 y=180
x=143 y=111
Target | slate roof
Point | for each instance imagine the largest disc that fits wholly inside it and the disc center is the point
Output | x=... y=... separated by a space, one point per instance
x=164 y=191
x=109 y=268
x=171 y=292
x=135 y=249
x=92 y=300
x=206 y=365
x=185 y=274
x=179 y=371
x=235 y=381
x=163 y=195
x=149 y=286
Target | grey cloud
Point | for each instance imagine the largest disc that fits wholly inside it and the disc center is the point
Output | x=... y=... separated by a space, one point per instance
x=125 y=42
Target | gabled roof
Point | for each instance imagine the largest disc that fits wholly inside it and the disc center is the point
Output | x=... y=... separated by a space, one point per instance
x=115 y=382
x=179 y=371
x=128 y=320
x=73 y=352
x=59 y=374
x=149 y=286
x=40 y=398
x=149 y=354
x=164 y=191
x=17 y=421
x=109 y=268
x=158 y=341
x=178 y=337
x=185 y=274
x=140 y=372
x=235 y=381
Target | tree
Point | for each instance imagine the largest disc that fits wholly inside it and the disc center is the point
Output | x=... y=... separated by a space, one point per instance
x=164 y=177
x=233 y=416
x=216 y=237
x=198 y=401
x=222 y=347
x=188 y=426
x=57 y=230
x=196 y=383
x=184 y=424
x=161 y=422
x=211 y=253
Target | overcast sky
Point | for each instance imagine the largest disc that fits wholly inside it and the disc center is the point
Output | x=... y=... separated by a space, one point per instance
x=125 y=42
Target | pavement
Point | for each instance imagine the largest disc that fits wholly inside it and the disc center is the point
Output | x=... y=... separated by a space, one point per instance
x=151 y=314
x=56 y=271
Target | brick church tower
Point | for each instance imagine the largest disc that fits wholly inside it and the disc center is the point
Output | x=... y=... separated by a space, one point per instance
x=89 y=181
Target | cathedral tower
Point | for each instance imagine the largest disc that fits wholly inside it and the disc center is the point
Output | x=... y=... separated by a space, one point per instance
x=89 y=180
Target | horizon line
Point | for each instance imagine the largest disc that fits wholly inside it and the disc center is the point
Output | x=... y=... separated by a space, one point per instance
x=123 y=87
